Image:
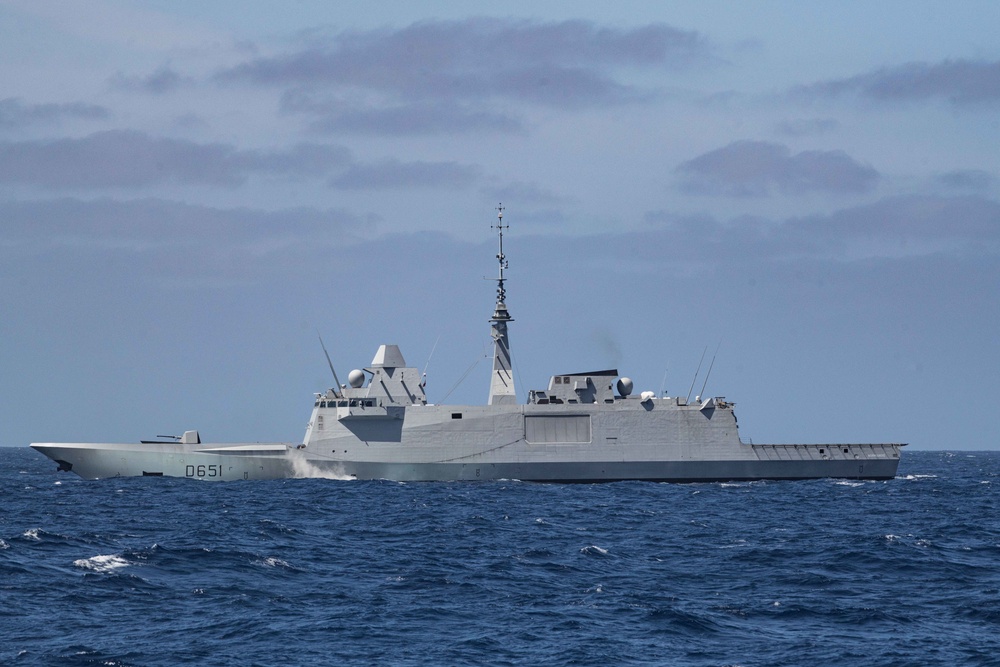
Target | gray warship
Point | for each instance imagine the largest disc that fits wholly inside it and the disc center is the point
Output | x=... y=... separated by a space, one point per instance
x=583 y=427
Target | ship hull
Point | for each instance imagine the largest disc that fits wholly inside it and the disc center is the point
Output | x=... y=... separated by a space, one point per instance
x=627 y=439
x=282 y=461
x=210 y=463
x=611 y=471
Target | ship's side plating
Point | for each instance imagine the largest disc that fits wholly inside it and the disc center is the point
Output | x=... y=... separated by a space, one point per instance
x=589 y=434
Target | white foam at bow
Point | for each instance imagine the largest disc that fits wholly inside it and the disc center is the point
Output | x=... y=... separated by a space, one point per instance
x=303 y=469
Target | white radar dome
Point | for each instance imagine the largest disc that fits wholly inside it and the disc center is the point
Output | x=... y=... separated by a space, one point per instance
x=356 y=378
x=624 y=387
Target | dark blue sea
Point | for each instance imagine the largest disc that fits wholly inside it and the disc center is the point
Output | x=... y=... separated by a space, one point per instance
x=158 y=571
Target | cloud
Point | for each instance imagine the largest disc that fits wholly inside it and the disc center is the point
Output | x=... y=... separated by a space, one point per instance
x=967 y=179
x=541 y=218
x=422 y=118
x=803 y=127
x=190 y=232
x=458 y=57
x=755 y=168
x=909 y=224
x=163 y=80
x=393 y=174
x=523 y=192
x=129 y=159
x=892 y=228
x=14 y=113
x=961 y=82
x=408 y=76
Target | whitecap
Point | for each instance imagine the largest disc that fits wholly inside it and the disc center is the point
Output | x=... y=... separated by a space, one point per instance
x=271 y=561
x=4 y=545
x=735 y=544
x=32 y=534
x=105 y=563
x=593 y=549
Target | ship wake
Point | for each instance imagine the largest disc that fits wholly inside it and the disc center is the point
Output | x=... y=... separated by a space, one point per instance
x=302 y=468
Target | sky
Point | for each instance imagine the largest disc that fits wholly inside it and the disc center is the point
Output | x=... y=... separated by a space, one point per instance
x=804 y=197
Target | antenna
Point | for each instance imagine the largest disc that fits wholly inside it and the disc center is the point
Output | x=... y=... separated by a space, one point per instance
x=502 y=379
x=695 y=379
x=336 y=389
x=663 y=385
x=423 y=376
x=501 y=258
x=709 y=373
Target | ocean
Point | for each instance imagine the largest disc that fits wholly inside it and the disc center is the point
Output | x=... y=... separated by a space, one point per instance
x=160 y=571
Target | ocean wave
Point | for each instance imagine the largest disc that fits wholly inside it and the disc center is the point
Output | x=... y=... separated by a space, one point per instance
x=103 y=563
x=594 y=550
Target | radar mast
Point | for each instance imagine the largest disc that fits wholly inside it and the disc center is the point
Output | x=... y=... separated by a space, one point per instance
x=502 y=380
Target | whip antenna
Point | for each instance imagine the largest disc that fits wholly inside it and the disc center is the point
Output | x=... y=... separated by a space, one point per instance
x=710 y=368
x=423 y=376
x=336 y=389
x=695 y=378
